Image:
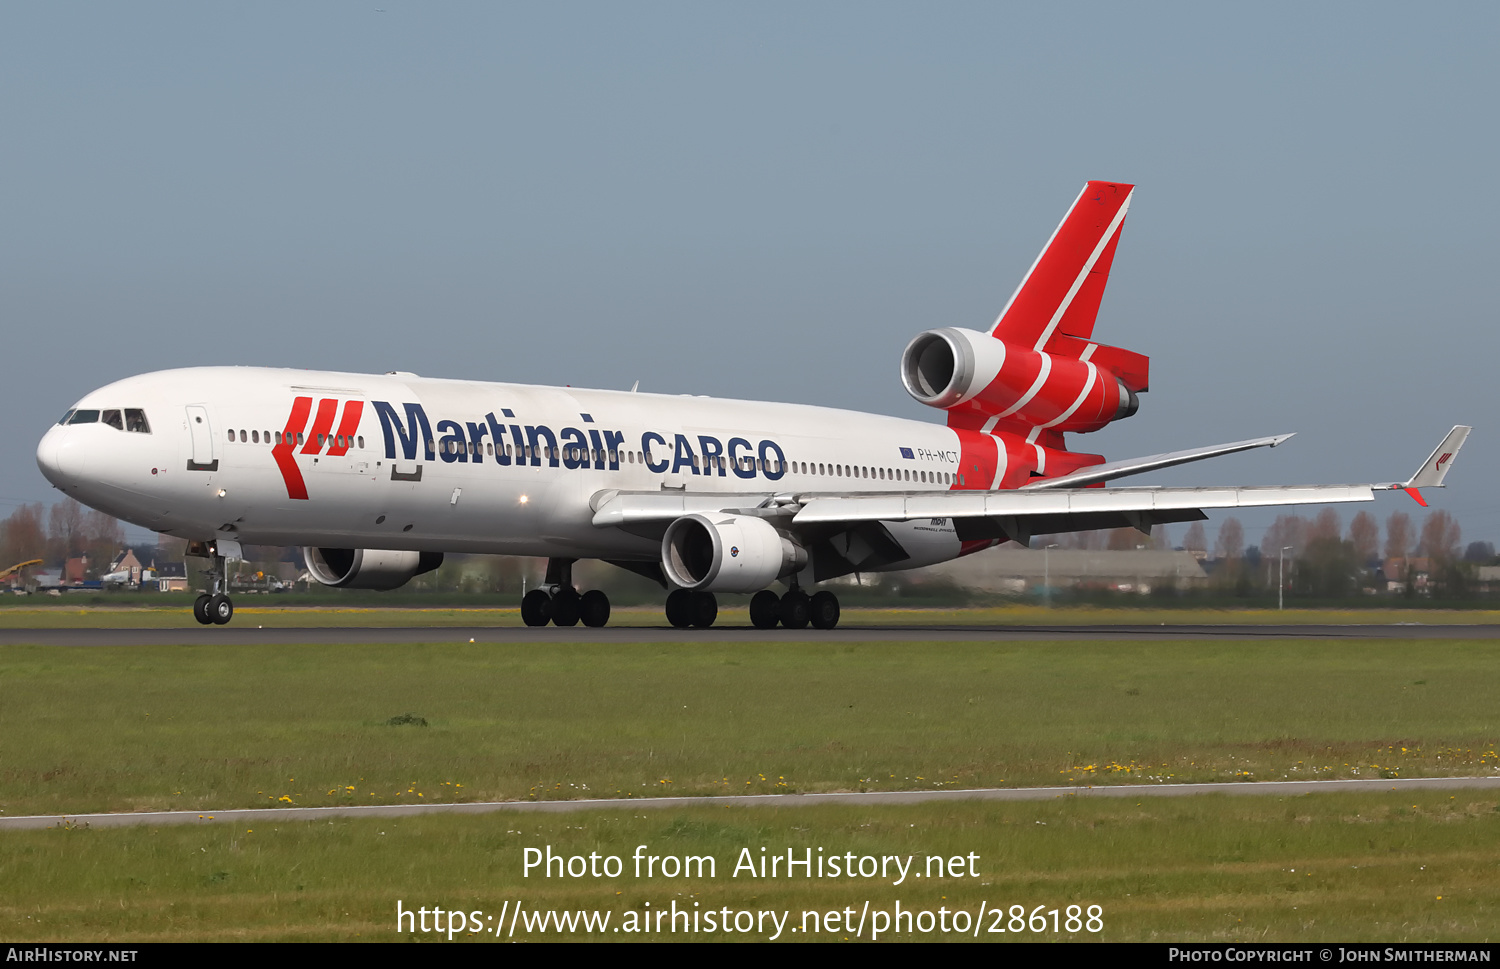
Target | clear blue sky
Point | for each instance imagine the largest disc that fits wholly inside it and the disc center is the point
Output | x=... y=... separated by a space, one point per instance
x=767 y=201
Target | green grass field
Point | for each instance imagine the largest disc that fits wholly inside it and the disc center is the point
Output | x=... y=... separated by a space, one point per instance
x=263 y=610
x=203 y=728
x=1417 y=867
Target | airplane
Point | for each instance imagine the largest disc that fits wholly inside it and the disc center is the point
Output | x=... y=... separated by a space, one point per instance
x=378 y=476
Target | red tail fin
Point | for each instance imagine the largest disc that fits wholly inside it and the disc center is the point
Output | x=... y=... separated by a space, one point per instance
x=1062 y=290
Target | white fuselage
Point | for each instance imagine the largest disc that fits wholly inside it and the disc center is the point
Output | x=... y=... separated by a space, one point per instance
x=398 y=461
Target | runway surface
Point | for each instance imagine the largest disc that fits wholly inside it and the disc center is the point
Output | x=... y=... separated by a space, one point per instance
x=272 y=815
x=245 y=634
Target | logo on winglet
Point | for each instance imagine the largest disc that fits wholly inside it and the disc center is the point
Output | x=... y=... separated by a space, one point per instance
x=1442 y=461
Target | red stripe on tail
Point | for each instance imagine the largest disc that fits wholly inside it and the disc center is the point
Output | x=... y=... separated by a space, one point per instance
x=978 y=454
x=1067 y=281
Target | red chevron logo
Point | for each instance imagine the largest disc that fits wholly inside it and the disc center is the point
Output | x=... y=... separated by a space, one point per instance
x=338 y=442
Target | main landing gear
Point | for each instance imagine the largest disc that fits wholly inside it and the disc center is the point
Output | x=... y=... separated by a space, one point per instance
x=794 y=610
x=686 y=607
x=559 y=603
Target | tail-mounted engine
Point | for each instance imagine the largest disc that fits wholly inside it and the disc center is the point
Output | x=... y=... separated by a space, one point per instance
x=957 y=368
x=1039 y=367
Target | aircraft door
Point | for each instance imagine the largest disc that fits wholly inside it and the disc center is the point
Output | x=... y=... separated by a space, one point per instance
x=202 y=435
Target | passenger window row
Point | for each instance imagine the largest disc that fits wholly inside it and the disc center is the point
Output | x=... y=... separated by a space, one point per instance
x=882 y=474
x=266 y=437
x=823 y=470
x=131 y=419
x=722 y=463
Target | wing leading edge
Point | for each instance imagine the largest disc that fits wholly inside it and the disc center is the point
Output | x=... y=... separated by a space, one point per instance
x=1019 y=514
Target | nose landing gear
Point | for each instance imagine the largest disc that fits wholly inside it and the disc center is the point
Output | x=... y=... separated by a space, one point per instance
x=213 y=608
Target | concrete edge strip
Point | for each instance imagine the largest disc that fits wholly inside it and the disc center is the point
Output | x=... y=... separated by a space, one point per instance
x=273 y=815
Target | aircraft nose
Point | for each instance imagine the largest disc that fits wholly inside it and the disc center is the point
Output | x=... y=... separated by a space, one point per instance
x=52 y=456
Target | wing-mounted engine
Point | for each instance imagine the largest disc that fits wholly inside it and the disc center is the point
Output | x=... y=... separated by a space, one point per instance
x=727 y=553
x=1038 y=367
x=368 y=568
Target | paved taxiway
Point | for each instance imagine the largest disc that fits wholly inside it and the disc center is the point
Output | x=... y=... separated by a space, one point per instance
x=247 y=635
x=270 y=815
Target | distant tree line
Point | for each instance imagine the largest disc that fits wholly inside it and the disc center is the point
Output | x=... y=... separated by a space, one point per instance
x=1317 y=557
x=65 y=531
x=1322 y=558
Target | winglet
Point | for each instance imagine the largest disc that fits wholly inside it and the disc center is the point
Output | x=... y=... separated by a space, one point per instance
x=1432 y=471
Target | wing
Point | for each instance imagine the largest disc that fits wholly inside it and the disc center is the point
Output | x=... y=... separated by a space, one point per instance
x=1018 y=515
x=1050 y=507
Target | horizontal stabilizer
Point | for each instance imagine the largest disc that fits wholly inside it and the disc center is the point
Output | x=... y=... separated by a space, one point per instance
x=1133 y=369
x=1120 y=469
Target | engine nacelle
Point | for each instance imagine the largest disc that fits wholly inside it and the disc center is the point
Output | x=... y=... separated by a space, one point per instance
x=727 y=553
x=955 y=367
x=368 y=568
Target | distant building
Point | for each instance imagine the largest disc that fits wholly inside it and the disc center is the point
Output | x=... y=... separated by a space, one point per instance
x=1415 y=570
x=124 y=570
x=171 y=577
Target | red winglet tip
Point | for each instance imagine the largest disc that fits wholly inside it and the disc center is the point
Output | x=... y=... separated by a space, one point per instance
x=1416 y=496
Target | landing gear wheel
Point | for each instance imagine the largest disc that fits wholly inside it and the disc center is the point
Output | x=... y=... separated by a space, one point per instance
x=680 y=608
x=825 y=610
x=705 y=609
x=765 y=609
x=796 y=610
x=200 y=609
x=593 y=608
x=536 y=608
x=565 y=608
x=220 y=609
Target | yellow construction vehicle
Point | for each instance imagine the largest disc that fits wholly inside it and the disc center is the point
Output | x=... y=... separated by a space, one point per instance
x=18 y=567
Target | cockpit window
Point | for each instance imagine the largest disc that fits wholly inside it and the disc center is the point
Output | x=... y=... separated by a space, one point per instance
x=135 y=421
x=68 y=416
x=84 y=417
x=113 y=419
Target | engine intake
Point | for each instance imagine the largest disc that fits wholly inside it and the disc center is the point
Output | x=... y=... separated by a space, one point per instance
x=368 y=568
x=941 y=368
x=958 y=368
x=731 y=554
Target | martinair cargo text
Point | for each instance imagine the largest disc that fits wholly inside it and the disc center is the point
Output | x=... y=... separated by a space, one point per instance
x=377 y=476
